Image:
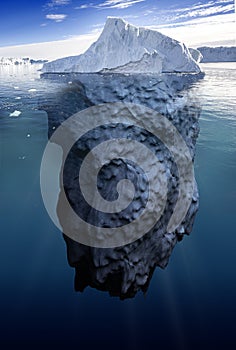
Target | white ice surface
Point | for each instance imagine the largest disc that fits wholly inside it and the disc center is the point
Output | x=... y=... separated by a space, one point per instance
x=129 y=49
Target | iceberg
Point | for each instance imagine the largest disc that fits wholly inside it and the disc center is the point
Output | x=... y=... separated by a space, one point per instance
x=125 y=48
x=25 y=61
x=126 y=270
x=101 y=76
x=196 y=54
x=218 y=54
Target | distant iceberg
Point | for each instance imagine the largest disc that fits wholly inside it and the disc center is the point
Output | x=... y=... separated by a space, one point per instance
x=124 y=48
x=14 y=61
x=218 y=54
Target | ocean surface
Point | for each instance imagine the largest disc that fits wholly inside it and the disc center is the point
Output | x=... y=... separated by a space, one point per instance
x=189 y=305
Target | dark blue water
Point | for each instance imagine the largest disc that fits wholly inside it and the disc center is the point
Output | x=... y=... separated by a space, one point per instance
x=189 y=305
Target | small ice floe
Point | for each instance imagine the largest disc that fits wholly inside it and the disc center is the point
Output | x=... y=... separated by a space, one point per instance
x=28 y=135
x=15 y=113
x=53 y=128
x=32 y=90
x=17 y=98
x=70 y=82
x=16 y=87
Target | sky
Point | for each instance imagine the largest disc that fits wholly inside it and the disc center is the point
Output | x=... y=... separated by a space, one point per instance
x=58 y=28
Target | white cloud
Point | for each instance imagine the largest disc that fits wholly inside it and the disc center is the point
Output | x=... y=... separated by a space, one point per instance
x=130 y=17
x=119 y=4
x=198 y=10
x=111 y=4
x=55 y=3
x=84 y=6
x=214 y=30
x=56 y=17
x=200 y=5
x=207 y=11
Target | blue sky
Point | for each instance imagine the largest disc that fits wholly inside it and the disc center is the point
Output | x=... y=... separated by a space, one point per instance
x=26 y=22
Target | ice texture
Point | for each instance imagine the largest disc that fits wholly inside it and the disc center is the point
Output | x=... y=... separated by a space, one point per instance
x=218 y=54
x=196 y=54
x=123 y=47
x=125 y=270
x=14 y=61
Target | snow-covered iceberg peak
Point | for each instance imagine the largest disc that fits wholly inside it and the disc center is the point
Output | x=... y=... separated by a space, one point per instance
x=125 y=47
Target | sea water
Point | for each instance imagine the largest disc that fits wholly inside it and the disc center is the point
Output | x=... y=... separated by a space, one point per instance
x=189 y=305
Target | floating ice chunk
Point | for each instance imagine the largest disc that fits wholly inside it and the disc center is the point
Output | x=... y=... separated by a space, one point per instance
x=32 y=90
x=28 y=135
x=16 y=87
x=15 y=113
x=17 y=98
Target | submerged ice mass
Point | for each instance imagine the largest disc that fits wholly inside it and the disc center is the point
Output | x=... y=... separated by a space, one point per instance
x=125 y=270
x=123 y=47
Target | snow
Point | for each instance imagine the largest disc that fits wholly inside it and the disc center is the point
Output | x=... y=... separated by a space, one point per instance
x=123 y=47
x=218 y=54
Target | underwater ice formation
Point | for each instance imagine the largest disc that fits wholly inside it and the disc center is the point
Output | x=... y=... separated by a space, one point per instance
x=122 y=271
